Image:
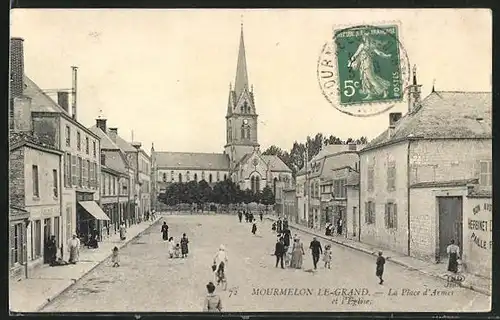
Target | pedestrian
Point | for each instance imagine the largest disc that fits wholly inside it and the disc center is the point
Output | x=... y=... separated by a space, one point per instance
x=213 y=302
x=115 y=258
x=52 y=250
x=219 y=266
x=379 y=272
x=297 y=254
x=254 y=227
x=74 y=249
x=123 y=231
x=339 y=226
x=274 y=226
x=328 y=229
x=285 y=224
x=177 y=251
x=261 y=216
x=246 y=216
x=171 y=247
x=184 y=245
x=288 y=256
x=240 y=215
x=327 y=256
x=279 y=251
x=250 y=217
x=286 y=237
x=453 y=255
x=316 y=250
x=279 y=225
x=164 y=231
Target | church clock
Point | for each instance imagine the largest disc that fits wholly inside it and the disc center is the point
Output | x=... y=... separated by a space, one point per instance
x=245 y=122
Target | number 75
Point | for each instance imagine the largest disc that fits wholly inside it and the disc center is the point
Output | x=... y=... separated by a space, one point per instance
x=350 y=87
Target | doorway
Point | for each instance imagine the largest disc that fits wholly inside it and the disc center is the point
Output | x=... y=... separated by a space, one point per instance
x=450 y=223
x=47 y=232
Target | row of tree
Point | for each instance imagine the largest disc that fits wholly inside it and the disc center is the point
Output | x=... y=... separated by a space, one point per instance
x=223 y=192
x=295 y=157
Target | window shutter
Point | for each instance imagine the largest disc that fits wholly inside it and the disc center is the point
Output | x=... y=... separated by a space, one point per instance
x=11 y=230
x=373 y=212
x=386 y=215
x=395 y=210
x=73 y=171
x=366 y=212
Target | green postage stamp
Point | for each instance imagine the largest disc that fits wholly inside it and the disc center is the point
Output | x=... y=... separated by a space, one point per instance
x=364 y=70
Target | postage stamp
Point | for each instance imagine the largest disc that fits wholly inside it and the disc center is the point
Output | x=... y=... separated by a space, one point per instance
x=364 y=70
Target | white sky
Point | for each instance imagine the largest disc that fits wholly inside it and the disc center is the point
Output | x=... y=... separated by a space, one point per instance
x=165 y=74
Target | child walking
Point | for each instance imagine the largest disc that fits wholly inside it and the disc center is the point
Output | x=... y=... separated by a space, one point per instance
x=327 y=256
x=116 y=257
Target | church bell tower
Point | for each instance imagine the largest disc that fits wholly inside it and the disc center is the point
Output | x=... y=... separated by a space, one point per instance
x=241 y=117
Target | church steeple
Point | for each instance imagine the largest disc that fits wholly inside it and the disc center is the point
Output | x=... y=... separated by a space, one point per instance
x=241 y=80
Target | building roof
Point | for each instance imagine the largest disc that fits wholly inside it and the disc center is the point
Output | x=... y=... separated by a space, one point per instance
x=443 y=114
x=275 y=163
x=445 y=184
x=124 y=145
x=191 y=160
x=115 y=162
x=328 y=160
x=106 y=142
x=40 y=102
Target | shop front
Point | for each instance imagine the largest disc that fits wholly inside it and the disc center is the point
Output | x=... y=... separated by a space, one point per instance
x=90 y=218
x=339 y=211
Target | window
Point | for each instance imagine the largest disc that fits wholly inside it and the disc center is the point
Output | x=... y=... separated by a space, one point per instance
x=103 y=184
x=94 y=149
x=87 y=145
x=36 y=187
x=80 y=171
x=225 y=176
x=485 y=174
x=371 y=173
x=103 y=159
x=91 y=174
x=67 y=170
x=391 y=176
x=195 y=177
x=17 y=254
x=257 y=184
x=114 y=186
x=36 y=239
x=180 y=177
x=54 y=179
x=74 y=170
x=164 y=177
x=110 y=182
x=248 y=132
x=78 y=141
x=96 y=176
x=339 y=188
x=210 y=178
x=242 y=132
x=203 y=175
x=391 y=216
x=88 y=175
x=187 y=176
x=68 y=136
x=252 y=183
x=369 y=212
x=218 y=176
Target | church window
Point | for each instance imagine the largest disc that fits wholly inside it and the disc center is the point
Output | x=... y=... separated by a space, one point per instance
x=257 y=184
x=274 y=184
x=225 y=176
x=180 y=177
x=242 y=132
x=248 y=132
x=210 y=178
x=203 y=175
x=195 y=177
x=218 y=176
x=242 y=109
x=245 y=106
x=252 y=184
x=172 y=175
x=188 y=176
x=164 y=177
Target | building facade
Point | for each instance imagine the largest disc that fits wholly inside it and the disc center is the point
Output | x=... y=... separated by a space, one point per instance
x=241 y=161
x=144 y=178
x=420 y=175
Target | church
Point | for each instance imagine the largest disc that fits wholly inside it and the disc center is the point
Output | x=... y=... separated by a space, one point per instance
x=241 y=161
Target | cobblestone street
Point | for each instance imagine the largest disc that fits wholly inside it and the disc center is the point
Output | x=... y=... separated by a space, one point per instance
x=148 y=281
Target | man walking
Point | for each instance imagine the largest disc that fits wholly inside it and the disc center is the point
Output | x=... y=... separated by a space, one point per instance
x=316 y=250
x=240 y=215
x=279 y=252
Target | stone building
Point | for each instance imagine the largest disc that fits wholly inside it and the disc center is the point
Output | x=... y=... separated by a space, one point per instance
x=53 y=125
x=419 y=175
x=241 y=160
x=35 y=188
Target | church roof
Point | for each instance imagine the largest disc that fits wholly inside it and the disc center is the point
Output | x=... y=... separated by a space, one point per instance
x=276 y=164
x=443 y=114
x=192 y=160
x=241 y=80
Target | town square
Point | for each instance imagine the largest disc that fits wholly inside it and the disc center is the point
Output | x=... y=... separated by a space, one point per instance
x=222 y=161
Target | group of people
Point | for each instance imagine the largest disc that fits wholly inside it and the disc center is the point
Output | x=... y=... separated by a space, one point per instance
x=175 y=250
x=330 y=228
x=249 y=217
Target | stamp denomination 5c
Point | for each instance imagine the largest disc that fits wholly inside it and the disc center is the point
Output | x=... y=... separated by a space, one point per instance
x=364 y=70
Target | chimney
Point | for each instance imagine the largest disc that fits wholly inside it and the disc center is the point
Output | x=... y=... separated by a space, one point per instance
x=352 y=146
x=393 y=119
x=16 y=67
x=136 y=145
x=62 y=100
x=113 y=132
x=101 y=124
x=73 y=91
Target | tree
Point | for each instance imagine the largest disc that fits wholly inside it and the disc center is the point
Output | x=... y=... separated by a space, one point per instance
x=268 y=197
x=247 y=196
x=205 y=191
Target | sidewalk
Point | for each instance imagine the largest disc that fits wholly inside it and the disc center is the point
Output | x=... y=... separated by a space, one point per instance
x=472 y=282
x=46 y=283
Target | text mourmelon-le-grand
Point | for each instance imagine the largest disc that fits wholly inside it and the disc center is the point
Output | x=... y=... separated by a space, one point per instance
x=310 y=292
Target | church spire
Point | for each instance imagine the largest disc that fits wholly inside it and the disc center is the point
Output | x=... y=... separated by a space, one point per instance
x=241 y=80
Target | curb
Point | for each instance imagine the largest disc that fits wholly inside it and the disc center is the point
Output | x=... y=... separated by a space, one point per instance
x=470 y=287
x=74 y=281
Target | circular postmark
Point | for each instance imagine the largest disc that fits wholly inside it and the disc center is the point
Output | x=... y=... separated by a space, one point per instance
x=364 y=70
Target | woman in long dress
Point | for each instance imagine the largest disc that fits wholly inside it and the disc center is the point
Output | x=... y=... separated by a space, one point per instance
x=184 y=245
x=297 y=254
x=171 y=247
x=363 y=61
x=164 y=231
x=74 y=249
x=454 y=254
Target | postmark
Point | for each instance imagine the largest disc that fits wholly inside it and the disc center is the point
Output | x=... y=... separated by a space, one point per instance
x=364 y=69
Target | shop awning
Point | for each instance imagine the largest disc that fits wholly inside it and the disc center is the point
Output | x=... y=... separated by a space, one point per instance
x=93 y=208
